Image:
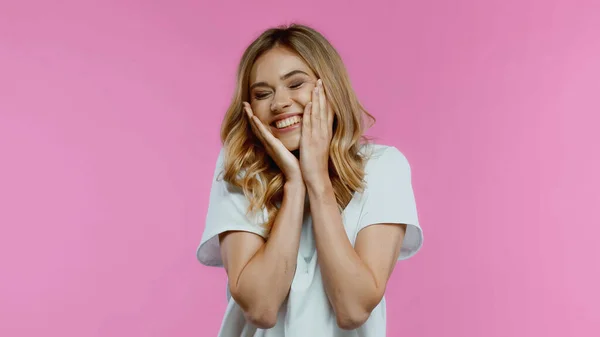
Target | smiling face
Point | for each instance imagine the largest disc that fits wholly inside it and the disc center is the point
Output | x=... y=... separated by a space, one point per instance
x=280 y=87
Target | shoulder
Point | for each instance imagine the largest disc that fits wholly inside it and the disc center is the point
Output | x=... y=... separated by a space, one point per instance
x=384 y=158
x=220 y=162
x=223 y=162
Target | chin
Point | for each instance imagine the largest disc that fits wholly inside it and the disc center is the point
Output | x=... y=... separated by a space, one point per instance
x=292 y=147
x=291 y=143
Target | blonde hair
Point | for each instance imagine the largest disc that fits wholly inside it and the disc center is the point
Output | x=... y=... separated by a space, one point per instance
x=246 y=163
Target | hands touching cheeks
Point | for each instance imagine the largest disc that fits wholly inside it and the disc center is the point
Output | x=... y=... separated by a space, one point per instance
x=316 y=133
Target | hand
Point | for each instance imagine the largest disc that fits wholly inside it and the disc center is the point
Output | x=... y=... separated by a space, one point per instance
x=317 y=131
x=287 y=162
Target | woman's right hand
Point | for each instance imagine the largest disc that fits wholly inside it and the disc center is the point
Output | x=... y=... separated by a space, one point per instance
x=287 y=162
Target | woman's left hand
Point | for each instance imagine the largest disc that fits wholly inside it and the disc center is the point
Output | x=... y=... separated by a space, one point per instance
x=317 y=123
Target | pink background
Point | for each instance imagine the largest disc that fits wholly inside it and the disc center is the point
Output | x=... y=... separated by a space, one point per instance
x=109 y=120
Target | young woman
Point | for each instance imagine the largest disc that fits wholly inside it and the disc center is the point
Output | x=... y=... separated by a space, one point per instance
x=306 y=216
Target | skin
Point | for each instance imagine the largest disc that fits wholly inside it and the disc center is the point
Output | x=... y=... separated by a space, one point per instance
x=261 y=272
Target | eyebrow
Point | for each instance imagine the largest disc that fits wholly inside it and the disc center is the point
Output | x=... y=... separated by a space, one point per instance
x=283 y=78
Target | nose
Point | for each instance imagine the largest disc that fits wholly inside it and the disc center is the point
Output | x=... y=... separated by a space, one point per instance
x=281 y=101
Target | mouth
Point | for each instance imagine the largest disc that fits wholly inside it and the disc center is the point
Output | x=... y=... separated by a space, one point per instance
x=288 y=123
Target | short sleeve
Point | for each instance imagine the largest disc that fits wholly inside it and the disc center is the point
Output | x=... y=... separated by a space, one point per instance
x=227 y=211
x=390 y=198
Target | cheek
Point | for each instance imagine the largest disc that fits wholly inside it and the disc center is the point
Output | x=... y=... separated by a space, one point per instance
x=261 y=109
x=303 y=96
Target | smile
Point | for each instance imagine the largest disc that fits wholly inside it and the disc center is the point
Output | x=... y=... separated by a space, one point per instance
x=288 y=122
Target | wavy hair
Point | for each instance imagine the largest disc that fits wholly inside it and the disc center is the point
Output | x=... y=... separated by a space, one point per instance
x=246 y=163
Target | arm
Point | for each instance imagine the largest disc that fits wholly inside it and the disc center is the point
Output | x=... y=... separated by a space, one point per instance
x=260 y=272
x=355 y=278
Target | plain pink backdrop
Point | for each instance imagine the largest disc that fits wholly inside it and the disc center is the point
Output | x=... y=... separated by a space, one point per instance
x=109 y=121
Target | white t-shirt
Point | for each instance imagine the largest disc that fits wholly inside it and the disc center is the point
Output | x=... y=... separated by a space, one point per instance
x=388 y=198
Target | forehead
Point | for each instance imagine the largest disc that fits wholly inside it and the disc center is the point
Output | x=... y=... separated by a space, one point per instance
x=275 y=63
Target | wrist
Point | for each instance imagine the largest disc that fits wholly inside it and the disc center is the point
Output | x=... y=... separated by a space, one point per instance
x=319 y=186
x=294 y=186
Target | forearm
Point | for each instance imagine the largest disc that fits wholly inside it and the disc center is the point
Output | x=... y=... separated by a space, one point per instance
x=350 y=286
x=265 y=281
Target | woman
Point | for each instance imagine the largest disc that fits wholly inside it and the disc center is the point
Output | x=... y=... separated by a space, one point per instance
x=307 y=218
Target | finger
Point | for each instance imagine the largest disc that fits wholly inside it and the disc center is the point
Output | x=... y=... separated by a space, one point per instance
x=323 y=107
x=264 y=131
x=251 y=118
x=256 y=129
x=330 y=116
x=247 y=109
x=314 y=112
x=260 y=126
x=322 y=103
x=306 y=125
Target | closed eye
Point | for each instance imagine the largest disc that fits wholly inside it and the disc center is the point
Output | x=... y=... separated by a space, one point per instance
x=261 y=95
x=296 y=85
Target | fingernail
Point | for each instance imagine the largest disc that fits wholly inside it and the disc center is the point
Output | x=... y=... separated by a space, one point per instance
x=320 y=82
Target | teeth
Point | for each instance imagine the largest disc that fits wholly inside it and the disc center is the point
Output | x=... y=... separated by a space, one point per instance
x=284 y=123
